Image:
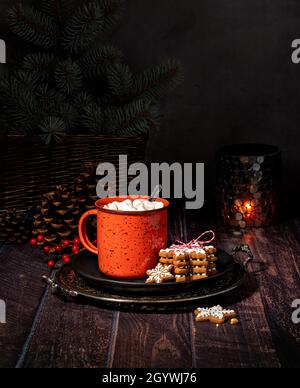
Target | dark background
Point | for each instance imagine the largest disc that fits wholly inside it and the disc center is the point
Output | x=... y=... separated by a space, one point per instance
x=240 y=83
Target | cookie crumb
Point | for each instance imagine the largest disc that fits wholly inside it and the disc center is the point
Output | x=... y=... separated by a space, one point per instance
x=234 y=322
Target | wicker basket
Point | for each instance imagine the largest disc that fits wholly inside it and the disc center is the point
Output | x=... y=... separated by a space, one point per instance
x=29 y=168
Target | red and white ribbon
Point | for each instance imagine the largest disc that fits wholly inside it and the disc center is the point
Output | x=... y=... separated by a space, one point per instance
x=197 y=243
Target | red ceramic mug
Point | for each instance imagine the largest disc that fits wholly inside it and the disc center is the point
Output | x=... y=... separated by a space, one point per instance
x=128 y=242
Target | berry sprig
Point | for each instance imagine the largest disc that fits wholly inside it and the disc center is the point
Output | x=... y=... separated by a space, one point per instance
x=63 y=252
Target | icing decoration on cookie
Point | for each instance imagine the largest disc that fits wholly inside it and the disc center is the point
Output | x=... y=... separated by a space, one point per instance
x=215 y=314
x=160 y=274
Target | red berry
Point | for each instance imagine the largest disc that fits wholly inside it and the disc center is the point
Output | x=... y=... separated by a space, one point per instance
x=51 y=263
x=46 y=249
x=75 y=249
x=76 y=240
x=40 y=238
x=66 y=259
x=66 y=243
x=58 y=248
x=33 y=241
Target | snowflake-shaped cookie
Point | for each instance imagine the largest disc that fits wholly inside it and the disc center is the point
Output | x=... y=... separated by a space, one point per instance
x=160 y=274
x=216 y=315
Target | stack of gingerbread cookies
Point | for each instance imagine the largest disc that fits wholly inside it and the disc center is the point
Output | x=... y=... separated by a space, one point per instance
x=182 y=267
x=192 y=263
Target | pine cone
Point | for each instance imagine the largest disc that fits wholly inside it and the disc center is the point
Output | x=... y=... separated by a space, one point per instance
x=14 y=227
x=57 y=217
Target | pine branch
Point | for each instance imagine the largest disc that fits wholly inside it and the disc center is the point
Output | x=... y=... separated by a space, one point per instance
x=82 y=100
x=68 y=77
x=134 y=119
x=28 y=81
x=93 y=118
x=20 y=104
x=33 y=26
x=39 y=64
x=155 y=83
x=83 y=28
x=47 y=99
x=53 y=129
x=112 y=11
x=120 y=80
x=59 y=9
x=69 y=114
x=90 y=21
x=97 y=62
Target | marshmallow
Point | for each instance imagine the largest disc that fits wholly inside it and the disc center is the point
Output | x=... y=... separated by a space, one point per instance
x=125 y=206
x=158 y=205
x=149 y=205
x=112 y=206
x=137 y=204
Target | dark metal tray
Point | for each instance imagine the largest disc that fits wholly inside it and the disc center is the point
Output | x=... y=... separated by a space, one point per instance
x=70 y=283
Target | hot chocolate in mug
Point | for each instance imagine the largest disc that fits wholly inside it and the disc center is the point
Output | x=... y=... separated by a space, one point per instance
x=128 y=243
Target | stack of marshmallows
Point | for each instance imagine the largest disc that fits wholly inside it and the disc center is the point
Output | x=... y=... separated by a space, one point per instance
x=138 y=205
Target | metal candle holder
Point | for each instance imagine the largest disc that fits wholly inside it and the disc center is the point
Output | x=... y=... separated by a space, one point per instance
x=248 y=185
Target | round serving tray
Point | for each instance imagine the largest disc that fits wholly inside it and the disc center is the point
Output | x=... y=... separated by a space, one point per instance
x=69 y=283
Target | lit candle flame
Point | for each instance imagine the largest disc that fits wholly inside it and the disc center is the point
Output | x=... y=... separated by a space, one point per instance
x=248 y=206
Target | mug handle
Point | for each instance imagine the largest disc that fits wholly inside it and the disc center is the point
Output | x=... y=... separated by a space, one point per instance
x=83 y=233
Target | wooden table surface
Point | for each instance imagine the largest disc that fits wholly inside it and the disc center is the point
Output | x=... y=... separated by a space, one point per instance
x=44 y=331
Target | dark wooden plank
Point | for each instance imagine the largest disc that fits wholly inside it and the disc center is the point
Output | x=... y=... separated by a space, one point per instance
x=279 y=253
x=248 y=345
x=21 y=269
x=70 y=335
x=155 y=340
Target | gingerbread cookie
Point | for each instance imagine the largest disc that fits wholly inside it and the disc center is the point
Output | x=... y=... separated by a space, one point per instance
x=199 y=263
x=181 y=264
x=212 y=272
x=210 y=250
x=212 y=258
x=182 y=278
x=182 y=270
x=200 y=270
x=199 y=276
x=166 y=256
x=180 y=255
x=166 y=261
x=166 y=253
x=197 y=254
x=160 y=274
x=215 y=314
